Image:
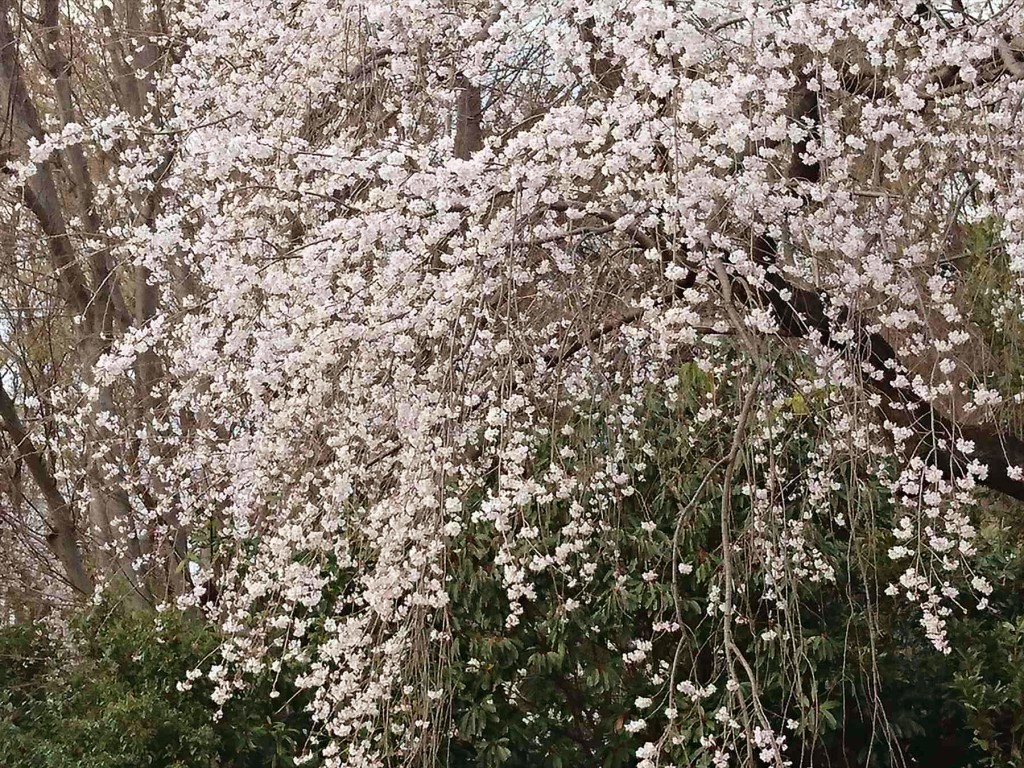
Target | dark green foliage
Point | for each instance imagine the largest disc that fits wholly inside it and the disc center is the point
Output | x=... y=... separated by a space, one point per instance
x=866 y=687
x=113 y=701
x=553 y=691
x=989 y=678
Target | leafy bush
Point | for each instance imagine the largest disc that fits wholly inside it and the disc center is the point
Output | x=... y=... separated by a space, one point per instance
x=559 y=687
x=553 y=689
x=108 y=697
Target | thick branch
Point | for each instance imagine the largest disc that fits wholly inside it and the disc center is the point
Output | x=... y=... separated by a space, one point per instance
x=61 y=540
x=469 y=114
x=108 y=299
x=804 y=314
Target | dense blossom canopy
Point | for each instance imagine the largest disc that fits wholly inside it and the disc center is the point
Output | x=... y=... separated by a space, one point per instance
x=350 y=280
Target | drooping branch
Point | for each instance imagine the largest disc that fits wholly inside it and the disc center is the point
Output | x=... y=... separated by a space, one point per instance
x=803 y=314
